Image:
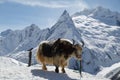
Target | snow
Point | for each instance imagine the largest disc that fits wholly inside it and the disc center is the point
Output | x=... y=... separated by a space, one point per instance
x=11 y=69
x=102 y=14
x=109 y=72
x=19 y=40
x=101 y=43
x=64 y=28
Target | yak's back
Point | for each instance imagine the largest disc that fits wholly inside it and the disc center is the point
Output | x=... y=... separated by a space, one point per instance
x=47 y=49
x=63 y=47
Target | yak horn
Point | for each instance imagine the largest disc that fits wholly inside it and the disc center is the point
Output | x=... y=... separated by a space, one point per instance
x=73 y=41
x=82 y=43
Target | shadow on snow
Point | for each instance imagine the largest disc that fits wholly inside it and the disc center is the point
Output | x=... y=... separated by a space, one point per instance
x=50 y=75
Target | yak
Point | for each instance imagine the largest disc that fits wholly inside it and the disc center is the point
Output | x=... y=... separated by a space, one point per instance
x=58 y=53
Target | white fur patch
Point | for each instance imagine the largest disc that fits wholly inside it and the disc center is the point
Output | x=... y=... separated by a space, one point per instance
x=67 y=40
x=44 y=42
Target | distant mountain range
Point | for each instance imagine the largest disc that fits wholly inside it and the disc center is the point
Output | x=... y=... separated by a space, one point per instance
x=99 y=28
x=102 y=14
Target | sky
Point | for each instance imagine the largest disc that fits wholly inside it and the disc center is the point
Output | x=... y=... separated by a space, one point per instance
x=18 y=14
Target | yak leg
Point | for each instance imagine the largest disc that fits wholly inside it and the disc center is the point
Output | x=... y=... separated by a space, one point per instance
x=57 y=69
x=63 y=64
x=63 y=70
x=44 y=67
x=56 y=63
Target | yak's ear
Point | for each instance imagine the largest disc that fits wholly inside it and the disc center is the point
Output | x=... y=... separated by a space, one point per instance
x=73 y=41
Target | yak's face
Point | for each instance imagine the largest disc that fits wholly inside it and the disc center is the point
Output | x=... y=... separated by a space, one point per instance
x=78 y=51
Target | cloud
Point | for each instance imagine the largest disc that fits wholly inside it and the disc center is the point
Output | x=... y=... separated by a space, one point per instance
x=51 y=3
x=41 y=3
x=79 y=4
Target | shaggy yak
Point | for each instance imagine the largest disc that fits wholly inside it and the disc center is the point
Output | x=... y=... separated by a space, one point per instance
x=58 y=53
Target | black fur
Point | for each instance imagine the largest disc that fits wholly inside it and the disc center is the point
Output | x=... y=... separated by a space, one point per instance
x=56 y=69
x=47 y=50
x=62 y=47
x=59 y=47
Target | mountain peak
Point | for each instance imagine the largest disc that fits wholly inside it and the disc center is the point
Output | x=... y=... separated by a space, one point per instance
x=64 y=28
x=32 y=27
x=6 y=32
x=101 y=10
x=65 y=12
x=99 y=7
x=65 y=17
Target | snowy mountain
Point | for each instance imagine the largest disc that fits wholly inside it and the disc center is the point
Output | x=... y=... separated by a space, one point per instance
x=102 y=43
x=64 y=28
x=19 y=40
x=11 y=69
x=102 y=40
x=102 y=14
x=31 y=36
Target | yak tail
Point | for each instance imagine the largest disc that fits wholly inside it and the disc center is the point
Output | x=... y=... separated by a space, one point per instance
x=38 y=54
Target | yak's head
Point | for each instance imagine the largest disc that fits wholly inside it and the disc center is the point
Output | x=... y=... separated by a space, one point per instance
x=78 y=50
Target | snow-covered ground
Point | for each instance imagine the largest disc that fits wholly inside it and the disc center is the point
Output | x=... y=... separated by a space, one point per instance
x=109 y=72
x=11 y=69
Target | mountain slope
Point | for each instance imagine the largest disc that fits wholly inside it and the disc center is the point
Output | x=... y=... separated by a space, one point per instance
x=11 y=69
x=110 y=72
x=102 y=43
x=64 y=28
x=14 y=41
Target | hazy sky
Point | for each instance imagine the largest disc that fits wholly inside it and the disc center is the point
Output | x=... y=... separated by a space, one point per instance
x=17 y=14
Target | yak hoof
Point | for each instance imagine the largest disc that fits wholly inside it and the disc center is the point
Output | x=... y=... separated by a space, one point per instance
x=44 y=68
x=57 y=70
x=63 y=70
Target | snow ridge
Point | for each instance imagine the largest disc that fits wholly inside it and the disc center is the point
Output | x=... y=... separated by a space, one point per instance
x=102 y=14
